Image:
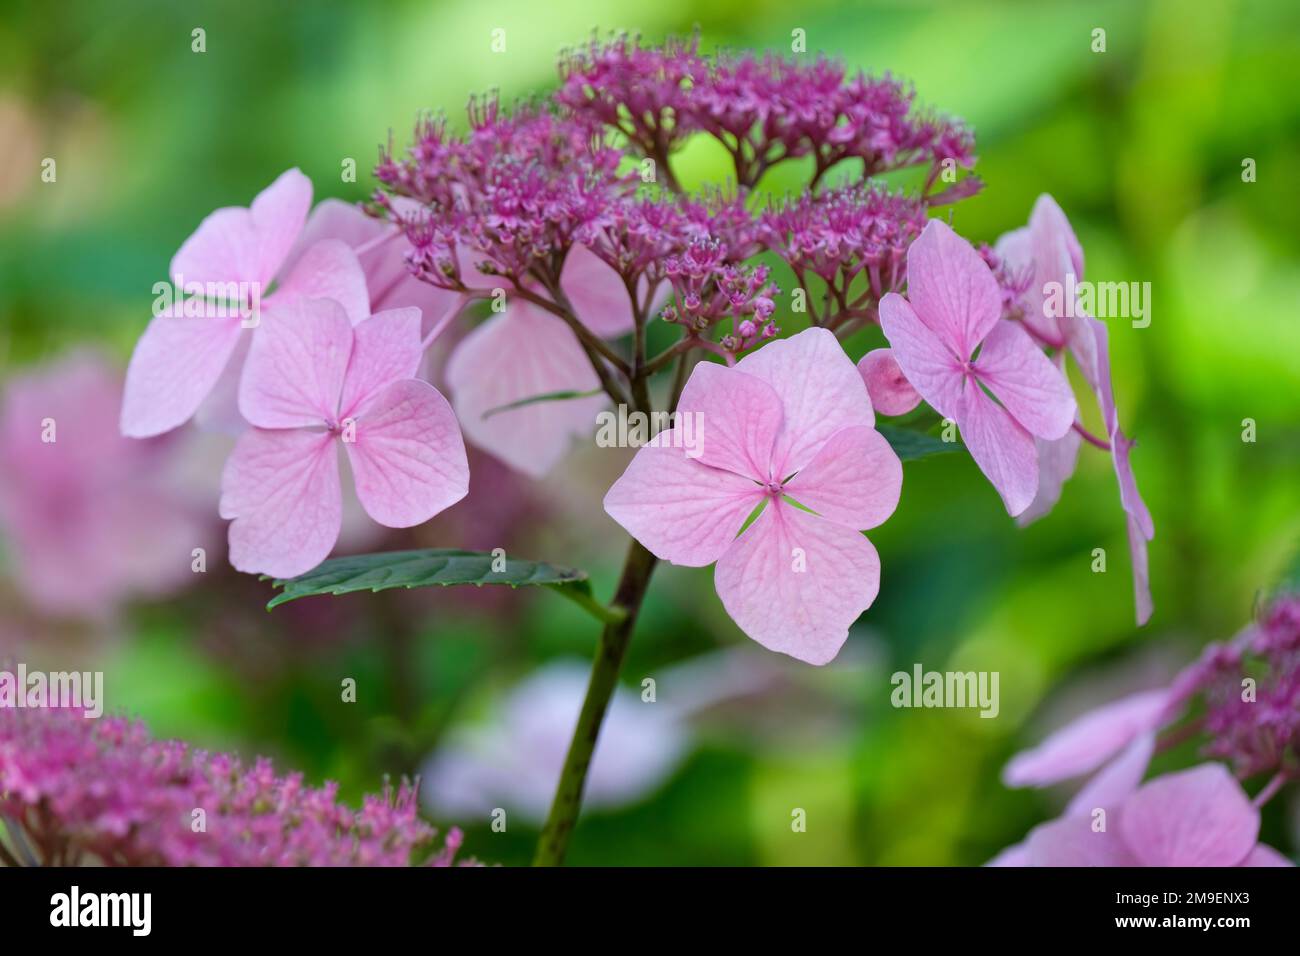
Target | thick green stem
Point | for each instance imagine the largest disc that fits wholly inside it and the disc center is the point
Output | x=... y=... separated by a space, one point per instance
x=637 y=569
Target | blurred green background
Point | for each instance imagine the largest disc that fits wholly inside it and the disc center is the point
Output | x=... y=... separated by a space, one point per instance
x=1142 y=146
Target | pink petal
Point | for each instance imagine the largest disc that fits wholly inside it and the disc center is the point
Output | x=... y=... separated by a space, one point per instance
x=296 y=366
x=1001 y=447
x=175 y=365
x=328 y=270
x=806 y=614
x=219 y=412
x=1265 y=855
x=408 y=459
x=520 y=354
x=1118 y=779
x=1054 y=271
x=952 y=289
x=1198 y=817
x=388 y=280
x=1071 y=841
x=855 y=480
x=1139 y=526
x=336 y=219
x=1048 y=222
x=469 y=260
x=820 y=391
x=1015 y=855
x=386 y=348
x=1056 y=463
x=596 y=292
x=1137 y=550
x=1015 y=249
x=1026 y=382
x=681 y=510
x=247 y=245
x=1130 y=498
x=278 y=213
x=281 y=487
x=223 y=249
x=929 y=365
x=1045 y=251
x=891 y=393
x=1087 y=742
x=738 y=419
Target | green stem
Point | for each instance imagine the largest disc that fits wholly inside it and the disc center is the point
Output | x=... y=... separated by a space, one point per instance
x=637 y=569
x=582 y=597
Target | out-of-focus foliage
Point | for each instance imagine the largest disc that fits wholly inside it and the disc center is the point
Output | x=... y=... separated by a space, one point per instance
x=1143 y=146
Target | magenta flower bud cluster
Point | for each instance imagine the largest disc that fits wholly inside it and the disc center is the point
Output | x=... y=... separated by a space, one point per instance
x=841 y=234
x=762 y=109
x=76 y=791
x=1251 y=690
x=502 y=204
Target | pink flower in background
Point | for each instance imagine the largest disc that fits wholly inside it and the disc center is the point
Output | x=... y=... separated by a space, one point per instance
x=181 y=358
x=1197 y=817
x=512 y=758
x=81 y=792
x=526 y=352
x=89 y=518
x=1047 y=254
x=891 y=393
x=952 y=310
x=313 y=382
x=790 y=421
x=1084 y=745
x=1256 y=733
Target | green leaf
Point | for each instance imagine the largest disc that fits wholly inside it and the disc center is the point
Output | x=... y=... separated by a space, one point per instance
x=911 y=445
x=434 y=567
x=534 y=399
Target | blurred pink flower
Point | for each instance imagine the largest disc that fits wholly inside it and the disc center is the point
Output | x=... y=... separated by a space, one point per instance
x=313 y=382
x=1197 y=817
x=953 y=309
x=180 y=359
x=91 y=518
x=1041 y=256
x=789 y=421
x=1084 y=745
x=1253 y=723
x=512 y=758
x=75 y=791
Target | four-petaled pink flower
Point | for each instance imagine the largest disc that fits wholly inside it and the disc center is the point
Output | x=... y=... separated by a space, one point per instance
x=950 y=341
x=314 y=381
x=789 y=428
x=181 y=357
